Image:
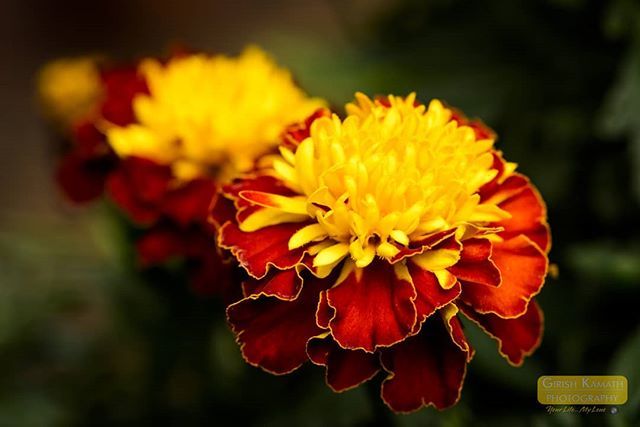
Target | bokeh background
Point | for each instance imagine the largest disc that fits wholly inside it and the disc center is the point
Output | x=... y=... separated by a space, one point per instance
x=84 y=340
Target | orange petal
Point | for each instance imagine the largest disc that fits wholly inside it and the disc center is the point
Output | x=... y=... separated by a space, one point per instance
x=517 y=337
x=523 y=267
x=475 y=264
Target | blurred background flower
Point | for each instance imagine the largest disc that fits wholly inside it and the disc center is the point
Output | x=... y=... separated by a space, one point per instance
x=84 y=341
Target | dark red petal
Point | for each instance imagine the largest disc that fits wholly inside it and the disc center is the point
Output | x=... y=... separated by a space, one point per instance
x=210 y=275
x=81 y=179
x=190 y=202
x=284 y=285
x=221 y=210
x=273 y=333
x=138 y=186
x=430 y=295
x=345 y=369
x=517 y=338
x=523 y=267
x=259 y=249
x=528 y=217
x=121 y=85
x=373 y=308
x=426 y=369
x=475 y=264
x=159 y=244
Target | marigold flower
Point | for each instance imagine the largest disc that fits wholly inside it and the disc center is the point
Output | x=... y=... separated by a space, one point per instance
x=368 y=237
x=208 y=115
x=199 y=120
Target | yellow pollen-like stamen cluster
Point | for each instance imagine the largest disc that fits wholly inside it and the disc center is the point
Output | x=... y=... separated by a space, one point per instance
x=383 y=177
x=212 y=114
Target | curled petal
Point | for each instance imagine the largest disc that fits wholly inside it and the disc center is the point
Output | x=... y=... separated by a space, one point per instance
x=272 y=332
x=517 y=337
x=430 y=295
x=455 y=329
x=523 y=267
x=419 y=246
x=373 y=308
x=257 y=250
x=528 y=217
x=426 y=369
x=284 y=285
x=345 y=369
x=475 y=264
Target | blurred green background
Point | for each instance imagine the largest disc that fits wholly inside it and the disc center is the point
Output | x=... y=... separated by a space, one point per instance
x=86 y=341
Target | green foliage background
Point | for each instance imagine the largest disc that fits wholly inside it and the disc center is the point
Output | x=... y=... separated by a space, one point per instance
x=87 y=340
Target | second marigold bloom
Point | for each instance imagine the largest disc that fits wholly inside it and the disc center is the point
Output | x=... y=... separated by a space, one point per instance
x=367 y=237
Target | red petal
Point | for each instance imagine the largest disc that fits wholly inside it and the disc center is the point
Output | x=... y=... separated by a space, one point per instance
x=190 y=202
x=257 y=250
x=517 y=337
x=138 y=187
x=475 y=264
x=158 y=245
x=346 y=369
x=221 y=210
x=372 y=309
x=430 y=295
x=528 y=217
x=284 y=285
x=426 y=369
x=82 y=173
x=81 y=179
x=121 y=84
x=523 y=267
x=273 y=333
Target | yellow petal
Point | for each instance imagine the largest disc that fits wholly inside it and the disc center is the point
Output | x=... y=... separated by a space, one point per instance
x=387 y=250
x=437 y=259
x=306 y=234
x=296 y=205
x=266 y=217
x=445 y=279
x=331 y=254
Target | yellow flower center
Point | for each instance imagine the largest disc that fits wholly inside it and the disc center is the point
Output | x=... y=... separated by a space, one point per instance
x=385 y=176
x=212 y=114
